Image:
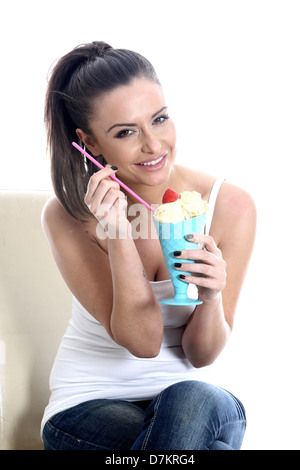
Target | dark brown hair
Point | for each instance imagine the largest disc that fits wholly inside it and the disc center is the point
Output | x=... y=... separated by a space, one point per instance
x=77 y=79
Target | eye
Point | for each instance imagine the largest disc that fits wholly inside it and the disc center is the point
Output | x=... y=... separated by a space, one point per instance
x=124 y=133
x=161 y=119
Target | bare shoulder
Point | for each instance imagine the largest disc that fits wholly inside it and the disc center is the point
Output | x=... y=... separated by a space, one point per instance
x=235 y=202
x=61 y=228
x=54 y=215
x=234 y=216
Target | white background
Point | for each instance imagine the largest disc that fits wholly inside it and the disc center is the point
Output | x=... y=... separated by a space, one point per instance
x=231 y=74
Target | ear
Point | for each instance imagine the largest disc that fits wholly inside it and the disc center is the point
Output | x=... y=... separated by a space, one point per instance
x=89 y=142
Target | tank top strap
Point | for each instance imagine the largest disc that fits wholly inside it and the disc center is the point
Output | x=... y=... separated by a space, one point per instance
x=212 y=202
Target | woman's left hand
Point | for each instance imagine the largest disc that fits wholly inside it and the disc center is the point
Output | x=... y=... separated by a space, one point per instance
x=208 y=272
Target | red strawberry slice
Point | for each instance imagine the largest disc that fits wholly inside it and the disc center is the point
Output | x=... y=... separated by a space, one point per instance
x=170 y=196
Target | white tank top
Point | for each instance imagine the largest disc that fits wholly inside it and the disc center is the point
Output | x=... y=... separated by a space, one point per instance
x=90 y=365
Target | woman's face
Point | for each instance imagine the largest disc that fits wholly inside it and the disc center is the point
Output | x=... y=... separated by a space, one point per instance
x=132 y=130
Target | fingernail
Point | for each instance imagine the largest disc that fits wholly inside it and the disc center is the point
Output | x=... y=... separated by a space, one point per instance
x=177 y=253
x=177 y=265
x=189 y=236
x=181 y=276
x=114 y=168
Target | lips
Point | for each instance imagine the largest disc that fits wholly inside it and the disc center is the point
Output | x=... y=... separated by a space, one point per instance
x=152 y=162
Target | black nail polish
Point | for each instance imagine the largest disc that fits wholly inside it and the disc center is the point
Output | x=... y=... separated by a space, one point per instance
x=181 y=276
x=177 y=265
x=114 y=168
x=177 y=253
x=189 y=236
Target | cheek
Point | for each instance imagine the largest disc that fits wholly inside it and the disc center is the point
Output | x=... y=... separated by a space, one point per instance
x=172 y=133
x=172 y=137
x=117 y=153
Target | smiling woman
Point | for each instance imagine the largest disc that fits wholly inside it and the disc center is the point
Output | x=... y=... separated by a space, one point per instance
x=77 y=83
x=128 y=371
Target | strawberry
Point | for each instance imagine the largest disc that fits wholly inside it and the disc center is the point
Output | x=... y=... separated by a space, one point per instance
x=170 y=196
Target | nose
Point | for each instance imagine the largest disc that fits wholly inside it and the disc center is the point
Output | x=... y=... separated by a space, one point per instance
x=151 y=143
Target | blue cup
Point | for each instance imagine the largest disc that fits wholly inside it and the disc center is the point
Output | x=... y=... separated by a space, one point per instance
x=172 y=238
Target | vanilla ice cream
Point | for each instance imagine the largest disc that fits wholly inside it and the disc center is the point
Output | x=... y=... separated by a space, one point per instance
x=190 y=204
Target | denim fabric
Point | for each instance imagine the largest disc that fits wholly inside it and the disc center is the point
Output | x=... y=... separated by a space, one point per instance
x=188 y=415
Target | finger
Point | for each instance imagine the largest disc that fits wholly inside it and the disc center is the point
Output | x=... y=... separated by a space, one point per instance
x=106 y=196
x=93 y=201
x=102 y=190
x=213 y=284
x=204 y=241
x=122 y=203
x=96 y=180
x=112 y=196
x=102 y=175
x=113 y=210
x=196 y=238
x=200 y=256
x=200 y=269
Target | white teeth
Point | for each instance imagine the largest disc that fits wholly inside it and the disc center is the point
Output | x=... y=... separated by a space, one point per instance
x=154 y=162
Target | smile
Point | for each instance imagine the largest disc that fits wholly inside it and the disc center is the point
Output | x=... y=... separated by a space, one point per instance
x=154 y=165
x=153 y=162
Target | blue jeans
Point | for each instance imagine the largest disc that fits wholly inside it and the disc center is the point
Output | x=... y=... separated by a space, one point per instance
x=189 y=415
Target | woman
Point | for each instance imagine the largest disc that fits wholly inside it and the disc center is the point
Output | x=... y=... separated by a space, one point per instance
x=128 y=371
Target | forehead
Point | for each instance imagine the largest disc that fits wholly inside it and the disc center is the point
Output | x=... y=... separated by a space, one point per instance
x=130 y=102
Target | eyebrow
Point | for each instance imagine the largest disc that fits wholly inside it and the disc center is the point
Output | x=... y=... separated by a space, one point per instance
x=126 y=124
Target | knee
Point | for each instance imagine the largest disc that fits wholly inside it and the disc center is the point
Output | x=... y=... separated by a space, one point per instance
x=189 y=390
x=195 y=397
x=187 y=395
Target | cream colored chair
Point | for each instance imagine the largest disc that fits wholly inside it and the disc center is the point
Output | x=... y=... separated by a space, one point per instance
x=35 y=307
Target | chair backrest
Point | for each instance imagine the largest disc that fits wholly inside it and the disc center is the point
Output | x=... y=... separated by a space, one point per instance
x=35 y=307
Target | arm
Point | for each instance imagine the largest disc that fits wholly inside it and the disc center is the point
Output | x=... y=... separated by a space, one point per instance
x=136 y=321
x=218 y=273
x=107 y=280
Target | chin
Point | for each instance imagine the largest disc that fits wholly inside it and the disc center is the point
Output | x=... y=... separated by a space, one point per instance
x=159 y=177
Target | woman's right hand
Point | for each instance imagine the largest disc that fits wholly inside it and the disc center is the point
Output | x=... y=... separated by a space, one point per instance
x=108 y=203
